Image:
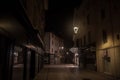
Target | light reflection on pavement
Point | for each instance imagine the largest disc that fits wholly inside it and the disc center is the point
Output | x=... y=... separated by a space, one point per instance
x=61 y=66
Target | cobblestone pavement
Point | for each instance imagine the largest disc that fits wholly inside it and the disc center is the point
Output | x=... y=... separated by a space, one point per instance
x=68 y=73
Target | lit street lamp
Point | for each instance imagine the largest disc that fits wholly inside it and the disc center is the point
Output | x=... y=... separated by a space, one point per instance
x=75 y=48
x=74 y=36
x=76 y=29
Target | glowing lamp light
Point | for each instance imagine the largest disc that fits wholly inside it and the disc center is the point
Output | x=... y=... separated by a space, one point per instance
x=75 y=30
x=62 y=47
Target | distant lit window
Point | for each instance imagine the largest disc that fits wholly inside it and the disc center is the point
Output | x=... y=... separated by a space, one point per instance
x=104 y=35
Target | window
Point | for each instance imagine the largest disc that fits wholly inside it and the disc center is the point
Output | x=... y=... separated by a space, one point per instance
x=52 y=49
x=89 y=37
x=104 y=35
x=116 y=5
x=52 y=42
x=80 y=42
x=87 y=6
x=118 y=36
x=88 y=19
x=84 y=40
x=102 y=13
x=77 y=42
x=52 y=35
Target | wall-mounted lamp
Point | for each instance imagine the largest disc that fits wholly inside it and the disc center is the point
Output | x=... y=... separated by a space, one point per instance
x=76 y=29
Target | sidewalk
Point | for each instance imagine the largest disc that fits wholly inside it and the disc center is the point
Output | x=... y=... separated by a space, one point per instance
x=69 y=72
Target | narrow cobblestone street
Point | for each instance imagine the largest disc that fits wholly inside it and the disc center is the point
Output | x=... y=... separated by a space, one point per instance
x=69 y=72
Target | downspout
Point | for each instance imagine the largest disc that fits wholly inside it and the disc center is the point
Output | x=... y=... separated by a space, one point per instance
x=112 y=30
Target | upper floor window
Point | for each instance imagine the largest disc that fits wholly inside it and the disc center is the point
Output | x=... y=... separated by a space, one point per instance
x=52 y=49
x=116 y=5
x=103 y=13
x=118 y=36
x=88 y=19
x=84 y=40
x=80 y=42
x=89 y=37
x=104 y=35
x=52 y=42
x=77 y=43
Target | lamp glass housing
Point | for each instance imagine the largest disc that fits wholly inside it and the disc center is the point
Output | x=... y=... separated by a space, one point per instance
x=75 y=30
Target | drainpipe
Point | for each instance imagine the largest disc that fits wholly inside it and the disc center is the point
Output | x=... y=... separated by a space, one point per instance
x=112 y=30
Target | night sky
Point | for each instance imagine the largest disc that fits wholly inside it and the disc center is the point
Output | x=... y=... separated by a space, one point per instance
x=59 y=18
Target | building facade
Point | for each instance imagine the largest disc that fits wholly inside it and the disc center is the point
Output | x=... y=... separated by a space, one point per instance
x=98 y=23
x=53 y=46
x=21 y=38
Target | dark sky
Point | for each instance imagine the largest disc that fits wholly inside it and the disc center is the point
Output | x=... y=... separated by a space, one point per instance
x=59 y=18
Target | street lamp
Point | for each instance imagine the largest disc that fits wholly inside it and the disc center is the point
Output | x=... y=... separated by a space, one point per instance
x=75 y=48
x=76 y=29
x=75 y=33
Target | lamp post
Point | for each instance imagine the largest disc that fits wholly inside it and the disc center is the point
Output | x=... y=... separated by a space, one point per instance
x=74 y=36
x=76 y=58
